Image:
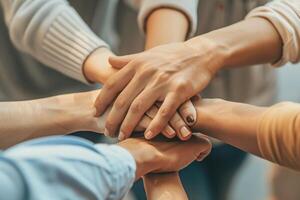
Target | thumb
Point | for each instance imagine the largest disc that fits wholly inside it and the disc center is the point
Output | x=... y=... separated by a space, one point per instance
x=119 y=62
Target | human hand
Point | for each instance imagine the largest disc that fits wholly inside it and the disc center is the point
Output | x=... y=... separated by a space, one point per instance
x=97 y=69
x=164 y=155
x=170 y=74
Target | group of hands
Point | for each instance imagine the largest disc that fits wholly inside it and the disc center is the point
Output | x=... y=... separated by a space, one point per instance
x=155 y=92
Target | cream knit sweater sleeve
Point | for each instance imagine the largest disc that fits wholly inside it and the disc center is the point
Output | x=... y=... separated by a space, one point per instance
x=285 y=17
x=52 y=32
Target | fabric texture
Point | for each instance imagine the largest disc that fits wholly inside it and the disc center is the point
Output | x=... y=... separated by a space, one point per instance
x=52 y=32
x=285 y=17
x=75 y=169
x=278 y=134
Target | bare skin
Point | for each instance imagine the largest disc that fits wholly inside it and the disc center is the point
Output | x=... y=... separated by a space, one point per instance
x=174 y=73
x=116 y=123
x=166 y=186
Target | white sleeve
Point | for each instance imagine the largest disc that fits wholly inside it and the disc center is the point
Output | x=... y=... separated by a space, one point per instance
x=285 y=17
x=52 y=32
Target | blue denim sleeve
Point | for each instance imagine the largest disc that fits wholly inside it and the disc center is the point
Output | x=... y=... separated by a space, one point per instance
x=65 y=168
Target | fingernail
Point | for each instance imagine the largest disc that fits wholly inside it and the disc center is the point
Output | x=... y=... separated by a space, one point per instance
x=190 y=119
x=184 y=131
x=106 y=132
x=148 y=135
x=170 y=131
x=121 y=136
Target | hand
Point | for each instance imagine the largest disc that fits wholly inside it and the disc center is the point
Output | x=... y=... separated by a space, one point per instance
x=171 y=74
x=162 y=155
x=97 y=69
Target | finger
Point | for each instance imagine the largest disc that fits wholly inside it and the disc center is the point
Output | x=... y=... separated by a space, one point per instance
x=188 y=113
x=136 y=110
x=122 y=104
x=166 y=111
x=182 y=130
x=144 y=123
x=207 y=147
x=119 y=62
x=112 y=87
x=168 y=131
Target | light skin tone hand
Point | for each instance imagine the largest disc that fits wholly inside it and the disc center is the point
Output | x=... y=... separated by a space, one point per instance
x=174 y=73
x=98 y=70
x=159 y=30
x=165 y=155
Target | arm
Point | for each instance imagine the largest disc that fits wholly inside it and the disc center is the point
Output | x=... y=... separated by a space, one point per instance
x=164 y=22
x=271 y=133
x=85 y=170
x=63 y=114
x=165 y=26
x=54 y=33
x=165 y=186
x=187 y=68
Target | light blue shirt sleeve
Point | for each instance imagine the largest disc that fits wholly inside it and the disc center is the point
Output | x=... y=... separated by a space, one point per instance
x=65 y=168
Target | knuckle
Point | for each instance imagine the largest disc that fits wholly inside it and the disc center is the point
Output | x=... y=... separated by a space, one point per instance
x=120 y=103
x=109 y=85
x=109 y=125
x=136 y=106
x=166 y=112
x=177 y=122
x=183 y=86
x=162 y=76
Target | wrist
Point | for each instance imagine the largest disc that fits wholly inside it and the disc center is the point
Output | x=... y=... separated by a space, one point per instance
x=71 y=112
x=215 y=49
x=96 y=67
x=144 y=156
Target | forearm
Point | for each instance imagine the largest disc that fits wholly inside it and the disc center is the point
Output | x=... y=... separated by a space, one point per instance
x=30 y=119
x=241 y=44
x=232 y=123
x=165 y=25
x=96 y=68
x=164 y=187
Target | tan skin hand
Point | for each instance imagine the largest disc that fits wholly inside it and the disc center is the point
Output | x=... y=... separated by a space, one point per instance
x=170 y=74
x=165 y=155
x=156 y=35
x=97 y=69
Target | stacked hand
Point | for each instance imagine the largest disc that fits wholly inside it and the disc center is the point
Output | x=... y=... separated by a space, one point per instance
x=165 y=155
x=170 y=74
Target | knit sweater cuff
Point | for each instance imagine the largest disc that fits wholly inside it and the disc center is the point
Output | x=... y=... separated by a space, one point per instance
x=68 y=42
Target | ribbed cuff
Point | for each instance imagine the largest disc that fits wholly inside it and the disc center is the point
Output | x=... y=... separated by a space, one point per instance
x=284 y=18
x=188 y=8
x=68 y=42
x=122 y=168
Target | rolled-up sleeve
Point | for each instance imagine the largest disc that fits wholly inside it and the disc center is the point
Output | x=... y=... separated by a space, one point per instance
x=66 y=168
x=285 y=17
x=189 y=8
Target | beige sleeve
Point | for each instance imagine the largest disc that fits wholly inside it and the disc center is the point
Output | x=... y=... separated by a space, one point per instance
x=52 y=32
x=285 y=17
x=278 y=134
